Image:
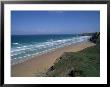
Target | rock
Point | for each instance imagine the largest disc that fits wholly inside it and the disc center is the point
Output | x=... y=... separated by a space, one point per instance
x=71 y=73
x=51 y=68
x=94 y=37
x=74 y=73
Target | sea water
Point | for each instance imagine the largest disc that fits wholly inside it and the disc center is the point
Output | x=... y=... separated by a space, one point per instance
x=24 y=47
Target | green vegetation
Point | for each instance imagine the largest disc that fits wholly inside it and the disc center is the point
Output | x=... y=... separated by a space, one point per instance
x=85 y=63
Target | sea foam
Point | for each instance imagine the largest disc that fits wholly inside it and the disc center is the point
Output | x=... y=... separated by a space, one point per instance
x=24 y=52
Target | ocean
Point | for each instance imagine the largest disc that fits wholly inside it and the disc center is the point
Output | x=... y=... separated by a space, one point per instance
x=24 y=47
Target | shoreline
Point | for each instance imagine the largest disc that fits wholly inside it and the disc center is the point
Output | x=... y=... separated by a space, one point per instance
x=40 y=64
x=28 y=58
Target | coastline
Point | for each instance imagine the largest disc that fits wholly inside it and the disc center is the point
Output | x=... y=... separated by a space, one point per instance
x=40 y=64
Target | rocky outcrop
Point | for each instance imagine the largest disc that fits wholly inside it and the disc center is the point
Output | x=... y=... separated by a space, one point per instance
x=95 y=37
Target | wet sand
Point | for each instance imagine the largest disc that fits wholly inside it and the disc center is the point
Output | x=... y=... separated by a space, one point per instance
x=40 y=64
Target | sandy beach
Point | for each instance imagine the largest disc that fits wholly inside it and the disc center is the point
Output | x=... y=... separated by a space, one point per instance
x=40 y=64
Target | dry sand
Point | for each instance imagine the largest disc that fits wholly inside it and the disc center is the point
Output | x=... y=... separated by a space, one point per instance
x=40 y=64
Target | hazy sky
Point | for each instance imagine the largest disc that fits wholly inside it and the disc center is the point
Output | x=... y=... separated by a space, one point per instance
x=54 y=22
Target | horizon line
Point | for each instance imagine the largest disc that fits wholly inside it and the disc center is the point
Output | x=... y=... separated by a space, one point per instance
x=54 y=34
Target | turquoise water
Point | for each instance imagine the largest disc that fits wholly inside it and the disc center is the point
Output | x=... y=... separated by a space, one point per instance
x=24 y=47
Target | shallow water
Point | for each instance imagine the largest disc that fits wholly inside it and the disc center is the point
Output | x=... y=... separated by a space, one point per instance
x=24 y=47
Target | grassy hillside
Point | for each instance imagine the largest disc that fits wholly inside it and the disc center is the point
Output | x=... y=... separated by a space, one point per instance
x=85 y=63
